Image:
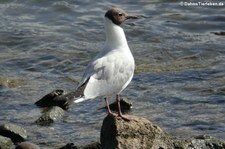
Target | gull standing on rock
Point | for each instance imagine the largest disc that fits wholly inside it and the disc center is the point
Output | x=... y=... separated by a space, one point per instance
x=113 y=68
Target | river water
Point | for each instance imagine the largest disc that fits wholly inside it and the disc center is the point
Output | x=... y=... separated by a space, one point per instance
x=179 y=82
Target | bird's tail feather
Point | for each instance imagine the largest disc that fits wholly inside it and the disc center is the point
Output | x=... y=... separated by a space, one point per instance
x=77 y=100
x=80 y=92
x=78 y=95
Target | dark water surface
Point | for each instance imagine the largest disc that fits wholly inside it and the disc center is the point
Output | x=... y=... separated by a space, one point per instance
x=179 y=81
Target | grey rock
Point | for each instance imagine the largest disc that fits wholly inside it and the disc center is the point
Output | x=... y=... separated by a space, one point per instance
x=138 y=133
x=5 y=143
x=26 y=145
x=51 y=115
x=14 y=132
x=199 y=142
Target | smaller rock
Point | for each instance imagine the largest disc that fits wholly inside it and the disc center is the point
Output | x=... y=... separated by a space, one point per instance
x=51 y=115
x=57 y=98
x=26 y=145
x=5 y=143
x=219 y=33
x=124 y=103
x=14 y=132
x=48 y=100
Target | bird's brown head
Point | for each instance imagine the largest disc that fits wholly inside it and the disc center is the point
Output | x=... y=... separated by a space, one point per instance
x=118 y=16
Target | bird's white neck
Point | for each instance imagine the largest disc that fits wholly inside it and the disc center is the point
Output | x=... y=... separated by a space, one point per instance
x=115 y=36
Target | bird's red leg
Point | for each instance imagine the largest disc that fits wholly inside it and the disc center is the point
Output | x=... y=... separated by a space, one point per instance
x=119 y=109
x=107 y=104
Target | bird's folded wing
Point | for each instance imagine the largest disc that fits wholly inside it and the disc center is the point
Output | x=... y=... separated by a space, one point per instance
x=106 y=75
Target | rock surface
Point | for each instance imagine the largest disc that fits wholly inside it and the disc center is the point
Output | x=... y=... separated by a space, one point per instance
x=14 y=132
x=138 y=133
x=50 y=115
x=5 y=143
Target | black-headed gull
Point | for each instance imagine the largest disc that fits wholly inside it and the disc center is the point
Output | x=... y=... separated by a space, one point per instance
x=113 y=68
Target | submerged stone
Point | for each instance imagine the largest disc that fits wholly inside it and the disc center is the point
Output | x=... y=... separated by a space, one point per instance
x=5 y=143
x=14 y=132
x=50 y=115
x=10 y=82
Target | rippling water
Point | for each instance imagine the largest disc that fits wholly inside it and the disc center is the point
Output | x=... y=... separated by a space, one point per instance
x=179 y=82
